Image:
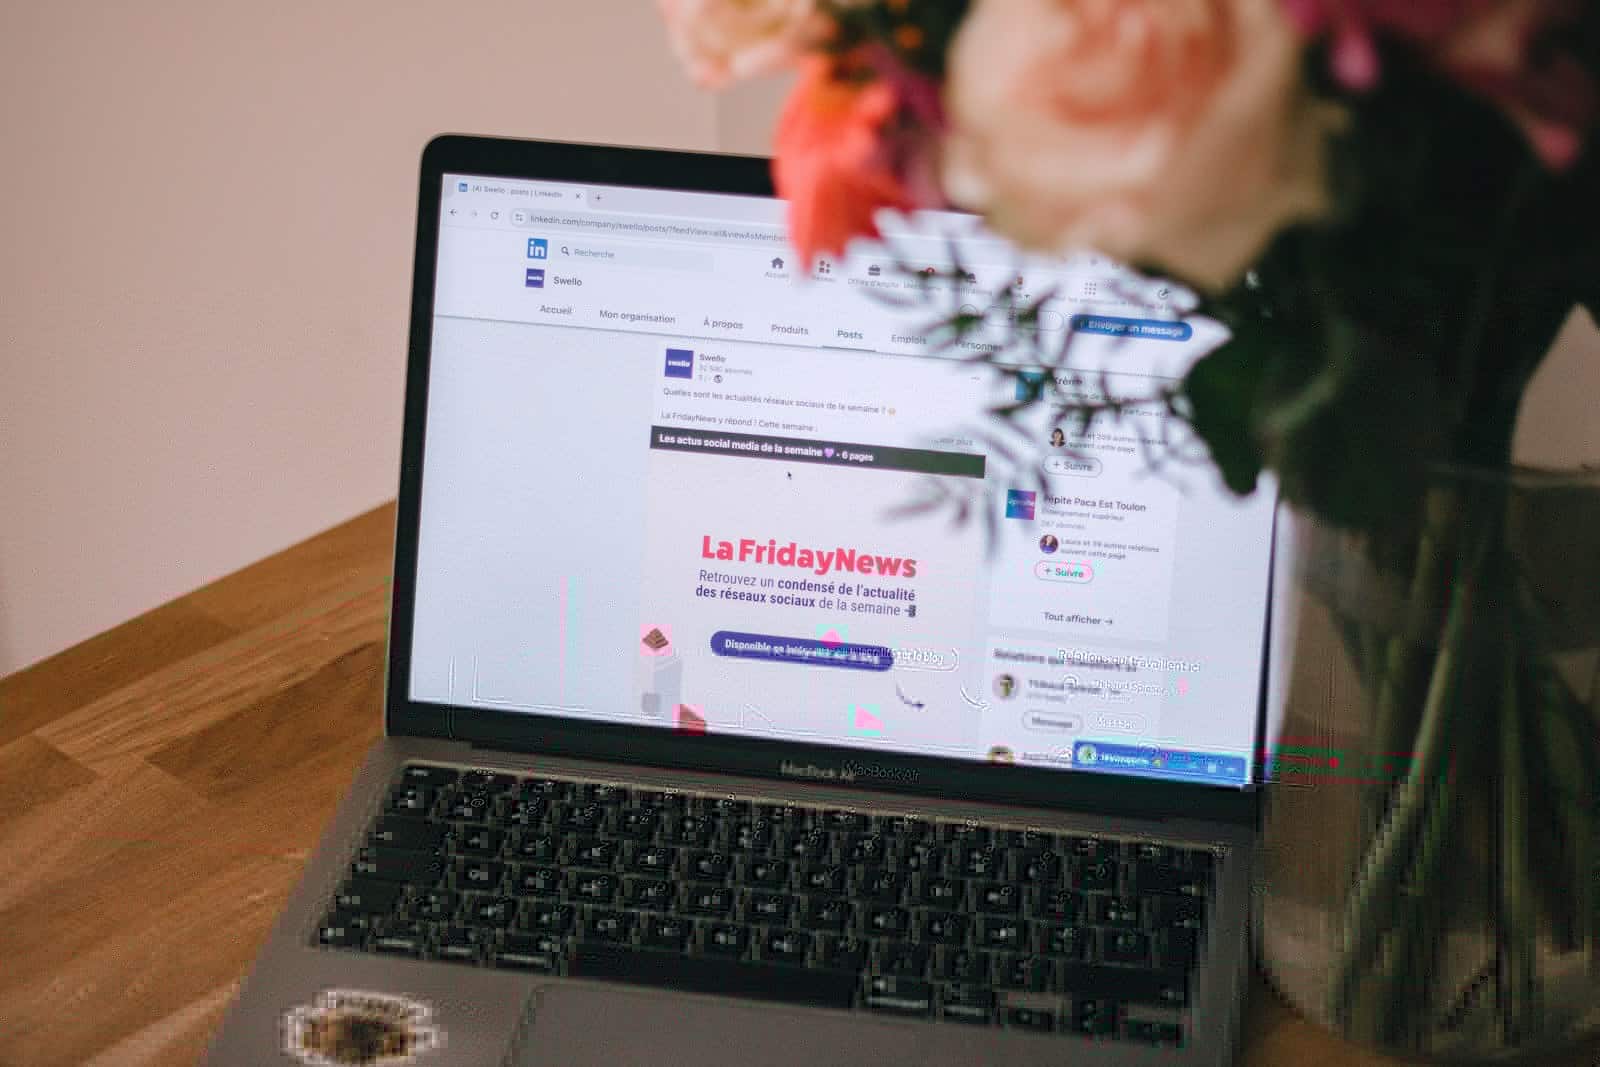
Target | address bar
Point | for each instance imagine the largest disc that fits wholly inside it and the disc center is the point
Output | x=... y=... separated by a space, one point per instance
x=659 y=227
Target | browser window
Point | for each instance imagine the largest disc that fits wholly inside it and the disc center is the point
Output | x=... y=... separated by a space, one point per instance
x=777 y=492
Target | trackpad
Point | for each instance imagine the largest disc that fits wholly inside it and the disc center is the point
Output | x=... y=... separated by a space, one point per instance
x=581 y=1025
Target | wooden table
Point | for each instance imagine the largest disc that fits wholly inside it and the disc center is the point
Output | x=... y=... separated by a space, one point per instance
x=162 y=785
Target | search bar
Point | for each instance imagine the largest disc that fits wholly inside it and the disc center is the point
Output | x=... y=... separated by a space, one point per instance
x=640 y=257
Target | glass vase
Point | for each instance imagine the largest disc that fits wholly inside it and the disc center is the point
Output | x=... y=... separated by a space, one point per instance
x=1431 y=861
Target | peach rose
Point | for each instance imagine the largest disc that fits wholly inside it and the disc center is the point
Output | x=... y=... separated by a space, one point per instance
x=1172 y=133
x=722 y=41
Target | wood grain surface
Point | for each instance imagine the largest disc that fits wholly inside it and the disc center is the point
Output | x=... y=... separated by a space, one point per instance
x=162 y=785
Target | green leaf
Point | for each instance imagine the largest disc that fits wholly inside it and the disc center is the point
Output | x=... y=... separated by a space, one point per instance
x=1221 y=389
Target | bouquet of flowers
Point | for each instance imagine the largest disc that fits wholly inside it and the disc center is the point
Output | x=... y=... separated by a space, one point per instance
x=1393 y=206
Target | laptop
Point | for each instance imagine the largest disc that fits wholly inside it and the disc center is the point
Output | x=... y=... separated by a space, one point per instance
x=755 y=692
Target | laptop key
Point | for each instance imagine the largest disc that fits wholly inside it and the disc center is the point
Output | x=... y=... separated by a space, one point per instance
x=944 y=927
x=490 y=910
x=880 y=884
x=640 y=824
x=896 y=995
x=594 y=888
x=1165 y=878
x=1093 y=1016
x=1098 y=875
x=606 y=925
x=398 y=865
x=463 y=943
x=481 y=875
x=412 y=799
x=754 y=835
x=829 y=878
x=768 y=907
x=730 y=940
x=1125 y=946
x=480 y=841
x=469 y=807
x=1040 y=868
x=900 y=958
x=413 y=835
x=825 y=913
x=841 y=952
x=943 y=892
x=549 y=918
x=661 y=932
x=652 y=894
x=653 y=859
x=1153 y=1032
x=981 y=861
x=966 y=1003
x=785 y=946
x=708 y=866
x=582 y=818
x=344 y=930
x=709 y=974
x=434 y=905
x=1067 y=942
x=596 y=853
x=708 y=900
x=487 y=782
x=401 y=937
x=771 y=873
x=1025 y=972
x=529 y=952
x=1170 y=909
x=965 y=965
x=997 y=897
x=1025 y=1018
x=537 y=881
x=1117 y=911
x=888 y=921
x=367 y=896
x=1178 y=947
x=1060 y=905
x=1124 y=983
x=1001 y=933
x=426 y=775
x=541 y=847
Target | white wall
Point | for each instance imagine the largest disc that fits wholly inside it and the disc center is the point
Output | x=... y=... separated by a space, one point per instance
x=205 y=249
x=206 y=216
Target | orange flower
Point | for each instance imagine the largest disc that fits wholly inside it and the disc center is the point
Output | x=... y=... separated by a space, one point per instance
x=832 y=160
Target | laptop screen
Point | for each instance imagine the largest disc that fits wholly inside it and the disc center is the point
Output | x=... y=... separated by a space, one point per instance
x=676 y=478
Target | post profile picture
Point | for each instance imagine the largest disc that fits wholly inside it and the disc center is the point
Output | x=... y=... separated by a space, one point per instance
x=1048 y=544
x=1057 y=438
x=1002 y=754
x=1005 y=686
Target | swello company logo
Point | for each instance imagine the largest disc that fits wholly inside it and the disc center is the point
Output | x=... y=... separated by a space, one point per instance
x=680 y=363
x=538 y=248
x=534 y=279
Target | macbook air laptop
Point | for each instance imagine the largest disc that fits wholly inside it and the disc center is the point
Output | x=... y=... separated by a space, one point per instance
x=756 y=693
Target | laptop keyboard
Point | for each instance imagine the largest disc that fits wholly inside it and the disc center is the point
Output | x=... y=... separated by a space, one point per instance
x=908 y=917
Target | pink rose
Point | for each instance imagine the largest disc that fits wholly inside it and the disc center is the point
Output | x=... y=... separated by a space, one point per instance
x=722 y=41
x=1177 y=133
x=1488 y=46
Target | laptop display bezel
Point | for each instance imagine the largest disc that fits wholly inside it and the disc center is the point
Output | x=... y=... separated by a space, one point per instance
x=511 y=731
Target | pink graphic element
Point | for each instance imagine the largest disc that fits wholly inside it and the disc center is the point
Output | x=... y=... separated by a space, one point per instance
x=832 y=639
x=691 y=720
x=866 y=722
x=655 y=639
x=828 y=452
x=1183 y=687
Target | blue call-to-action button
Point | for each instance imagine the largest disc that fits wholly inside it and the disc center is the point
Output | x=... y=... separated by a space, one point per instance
x=775 y=649
x=1147 y=329
x=1160 y=762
